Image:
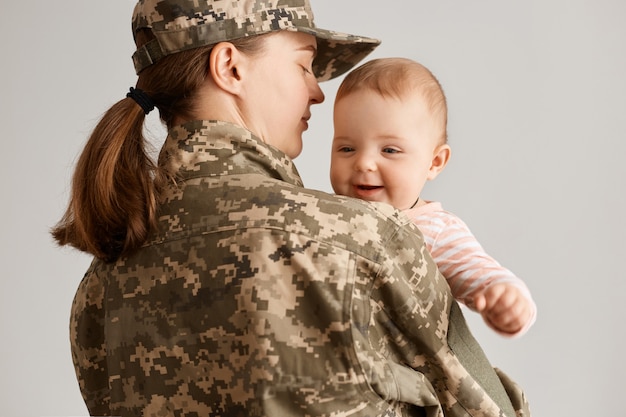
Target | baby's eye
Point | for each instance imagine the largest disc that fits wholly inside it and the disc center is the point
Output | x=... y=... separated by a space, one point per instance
x=391 y=150
x=307 y=70
x=345 y=149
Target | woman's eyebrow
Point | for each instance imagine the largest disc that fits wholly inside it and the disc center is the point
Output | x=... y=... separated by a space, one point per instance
x=309 y=48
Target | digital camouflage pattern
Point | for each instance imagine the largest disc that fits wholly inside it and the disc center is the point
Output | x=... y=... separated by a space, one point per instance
x=186 y=24
x=257 y=297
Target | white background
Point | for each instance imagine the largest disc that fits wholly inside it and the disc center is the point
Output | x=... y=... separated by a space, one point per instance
x=537 y=110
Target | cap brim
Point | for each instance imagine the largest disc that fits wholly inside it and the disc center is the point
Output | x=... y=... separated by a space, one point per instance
x=337 y=52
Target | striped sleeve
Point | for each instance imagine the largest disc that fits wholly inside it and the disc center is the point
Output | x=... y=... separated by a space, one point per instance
x=460 y=257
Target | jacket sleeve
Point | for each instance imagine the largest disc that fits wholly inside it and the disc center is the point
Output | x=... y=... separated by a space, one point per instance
x=430 y=332
x=87 y=343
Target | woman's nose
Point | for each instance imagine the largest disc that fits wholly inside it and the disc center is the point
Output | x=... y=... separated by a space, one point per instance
x=316 y=94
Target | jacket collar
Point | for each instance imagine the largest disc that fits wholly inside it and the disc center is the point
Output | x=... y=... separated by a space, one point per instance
x=209 y=148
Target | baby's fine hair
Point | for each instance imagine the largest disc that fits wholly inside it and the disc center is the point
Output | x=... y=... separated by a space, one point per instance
x=398 y=78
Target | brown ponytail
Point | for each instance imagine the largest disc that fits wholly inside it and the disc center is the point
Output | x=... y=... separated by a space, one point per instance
x=113 y=202
x=114 y=199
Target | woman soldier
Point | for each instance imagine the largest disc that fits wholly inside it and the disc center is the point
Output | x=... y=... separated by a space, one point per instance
x=220 y=286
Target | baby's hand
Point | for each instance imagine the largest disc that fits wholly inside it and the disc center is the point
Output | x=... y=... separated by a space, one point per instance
x=504 y=307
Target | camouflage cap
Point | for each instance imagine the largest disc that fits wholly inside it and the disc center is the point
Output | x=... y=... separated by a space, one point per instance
x=180 y=25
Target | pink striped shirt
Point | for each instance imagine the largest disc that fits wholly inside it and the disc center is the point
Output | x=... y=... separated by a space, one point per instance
x=460 y=258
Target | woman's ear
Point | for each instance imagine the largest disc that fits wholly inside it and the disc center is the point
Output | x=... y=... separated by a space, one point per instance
x=223 y=63
x=441 y=156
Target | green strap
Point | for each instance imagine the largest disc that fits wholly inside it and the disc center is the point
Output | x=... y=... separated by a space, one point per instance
x=147 y=55
x=473 y=358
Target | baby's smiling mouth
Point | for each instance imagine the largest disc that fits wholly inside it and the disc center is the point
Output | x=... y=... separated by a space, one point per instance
x=367 y=191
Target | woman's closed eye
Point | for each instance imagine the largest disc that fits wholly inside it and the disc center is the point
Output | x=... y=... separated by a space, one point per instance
x=306 y=65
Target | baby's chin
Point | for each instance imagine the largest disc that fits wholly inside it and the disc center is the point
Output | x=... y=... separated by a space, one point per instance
x=373 y=199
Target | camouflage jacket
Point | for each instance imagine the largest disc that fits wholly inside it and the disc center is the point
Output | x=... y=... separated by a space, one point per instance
x=258 y=297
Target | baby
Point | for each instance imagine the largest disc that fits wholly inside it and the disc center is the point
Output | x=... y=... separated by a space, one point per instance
x=390 y=137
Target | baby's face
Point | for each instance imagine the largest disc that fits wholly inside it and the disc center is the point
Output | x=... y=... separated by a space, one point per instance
x=382 y=148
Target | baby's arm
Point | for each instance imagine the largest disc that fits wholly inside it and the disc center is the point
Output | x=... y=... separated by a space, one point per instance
x=475 y=278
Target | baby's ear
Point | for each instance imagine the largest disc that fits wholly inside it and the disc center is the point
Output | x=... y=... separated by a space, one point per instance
x=441 y=156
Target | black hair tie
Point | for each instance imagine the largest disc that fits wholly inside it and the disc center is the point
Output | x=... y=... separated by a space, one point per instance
x=141 y=98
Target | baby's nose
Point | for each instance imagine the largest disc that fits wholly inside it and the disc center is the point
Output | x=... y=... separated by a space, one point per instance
x=365 y=163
